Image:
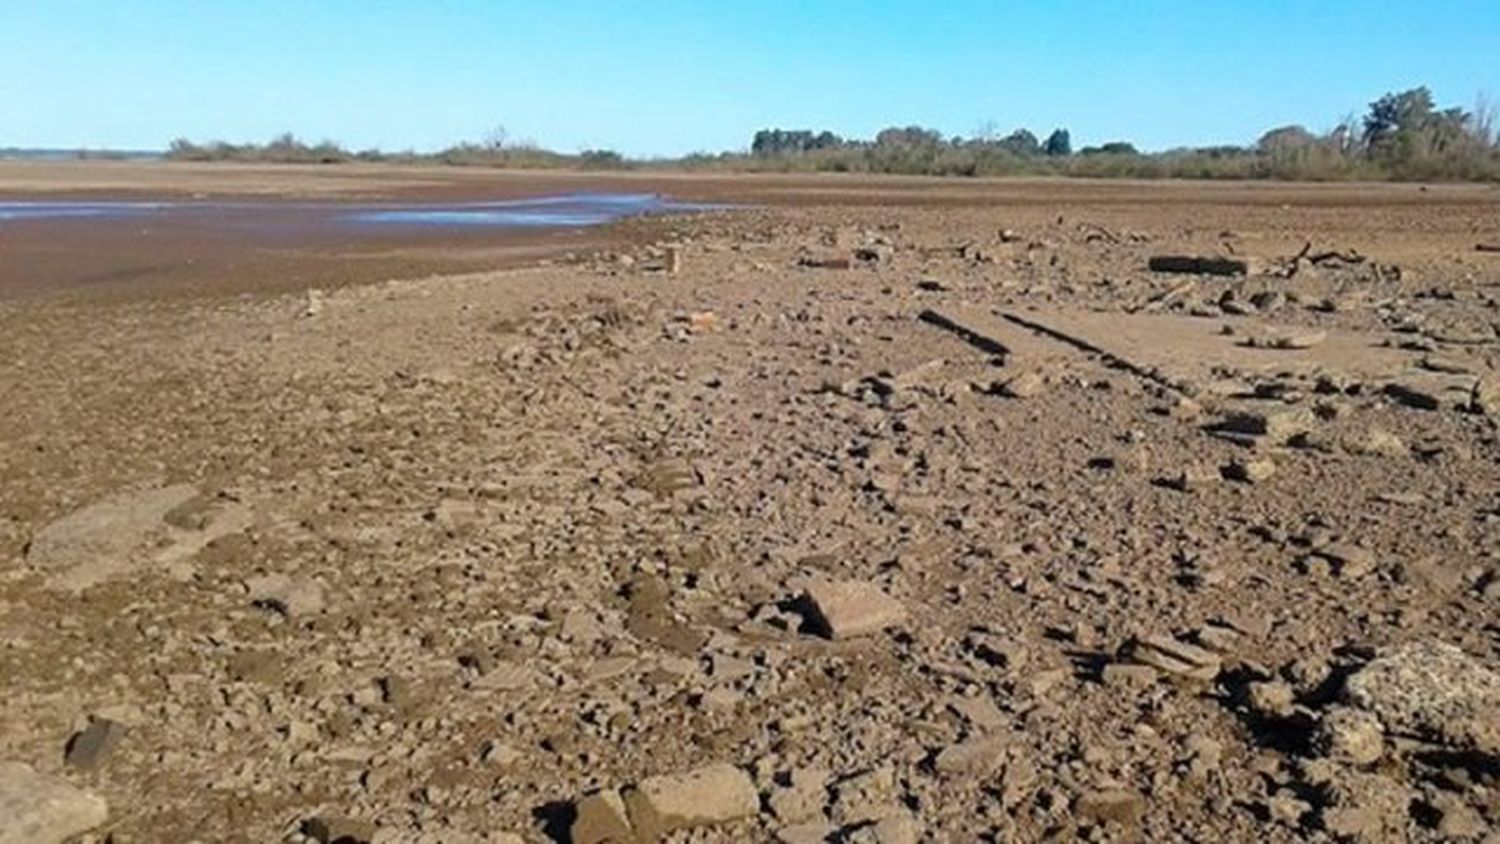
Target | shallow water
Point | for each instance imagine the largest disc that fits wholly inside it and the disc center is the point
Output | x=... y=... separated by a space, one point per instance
x=567 y=210
x=47 y=209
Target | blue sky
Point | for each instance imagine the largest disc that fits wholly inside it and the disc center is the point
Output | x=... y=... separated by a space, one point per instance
x=681 y=75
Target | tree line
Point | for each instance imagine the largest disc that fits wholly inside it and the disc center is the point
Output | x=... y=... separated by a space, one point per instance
x=1402 y=135
x=496 y=150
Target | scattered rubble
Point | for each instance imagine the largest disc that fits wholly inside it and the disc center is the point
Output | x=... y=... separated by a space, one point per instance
x=862 y=525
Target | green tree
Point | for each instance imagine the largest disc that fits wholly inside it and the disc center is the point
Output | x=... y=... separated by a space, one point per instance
x=1393 y=114
x=1022 y=143
x=1285 y=139
x=1059 y=143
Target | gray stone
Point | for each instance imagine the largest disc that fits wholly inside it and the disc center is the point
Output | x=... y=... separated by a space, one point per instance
x=88 y=748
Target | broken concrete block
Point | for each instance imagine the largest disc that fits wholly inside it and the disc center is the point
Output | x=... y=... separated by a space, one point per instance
x=847 y=609
x=711 y=795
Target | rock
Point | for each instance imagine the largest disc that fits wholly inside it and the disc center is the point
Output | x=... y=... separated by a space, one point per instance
x=1203 y=755
x=1484 y=396
x=1285 y=807
x=115 y=527
x=1277 y=426
x=1350 y=735
x=1296 y=340
x=1432 y=691
x=1174 y=657
x=848 y=609
x=600 y=818
x=803 y=796
x=1271 y=700
x=1128 y=675
x=711 y=795
x=313 y=305
x=1432 y=574
x=290 y=597
x=824 y=262
x=895 y=828
x=1024 y=386
x=865 y=796
x=87 y=749
x=1110 y=806
x=812 y=832
x=337 y=829
x=1456 y=820
x=130 y=529
x=703 y=322
x=1251 y=471
x=1413 y=395
x=1366 y=808
x=40 y=809
x=1377 y=442
x=1200 y=265
x=1348 y=560
x=1194 y=477
x=972 y=757
x=980 y=713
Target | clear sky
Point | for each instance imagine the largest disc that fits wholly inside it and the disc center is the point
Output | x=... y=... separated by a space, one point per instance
x=676 y=76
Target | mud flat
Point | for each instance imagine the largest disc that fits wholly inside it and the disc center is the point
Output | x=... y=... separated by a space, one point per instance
x=881 y=511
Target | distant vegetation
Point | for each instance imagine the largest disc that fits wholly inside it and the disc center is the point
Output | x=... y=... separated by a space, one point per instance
x=1403 y=136
x=496 y=150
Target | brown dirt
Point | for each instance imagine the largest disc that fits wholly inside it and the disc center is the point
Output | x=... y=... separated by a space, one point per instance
x=467 y=547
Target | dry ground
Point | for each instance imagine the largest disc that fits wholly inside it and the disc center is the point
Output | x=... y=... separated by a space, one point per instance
x=435 y=557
